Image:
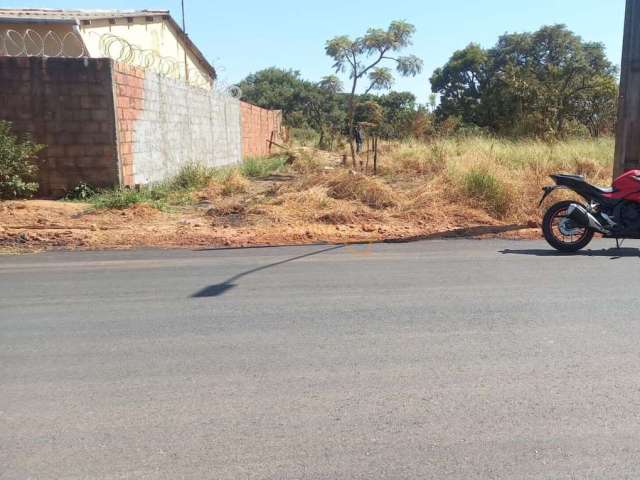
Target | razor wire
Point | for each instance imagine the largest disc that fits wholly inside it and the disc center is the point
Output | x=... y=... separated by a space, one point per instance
x=121 y=50
x=32 y=43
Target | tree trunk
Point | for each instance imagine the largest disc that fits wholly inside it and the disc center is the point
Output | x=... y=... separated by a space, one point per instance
x=352 y=109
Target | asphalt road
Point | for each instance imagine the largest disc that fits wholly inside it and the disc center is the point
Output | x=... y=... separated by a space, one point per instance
x=434 y=360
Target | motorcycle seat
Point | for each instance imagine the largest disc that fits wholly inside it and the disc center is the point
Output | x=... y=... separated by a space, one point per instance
x=578 y=178
x=581 y=179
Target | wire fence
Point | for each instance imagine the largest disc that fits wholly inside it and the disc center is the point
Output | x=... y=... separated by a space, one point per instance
x=31 y=43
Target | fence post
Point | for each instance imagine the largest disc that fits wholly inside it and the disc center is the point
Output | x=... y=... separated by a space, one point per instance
x=627 y=154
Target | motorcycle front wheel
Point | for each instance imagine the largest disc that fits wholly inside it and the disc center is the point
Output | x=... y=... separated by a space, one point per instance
x=561 y=232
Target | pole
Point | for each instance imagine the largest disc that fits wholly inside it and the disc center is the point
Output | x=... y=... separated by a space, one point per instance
x=627 y=155
x=375 y=155
x=184 y=24
x=184 y=29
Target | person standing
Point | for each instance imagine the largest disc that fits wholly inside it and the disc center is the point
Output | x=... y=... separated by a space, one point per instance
x=358 y=136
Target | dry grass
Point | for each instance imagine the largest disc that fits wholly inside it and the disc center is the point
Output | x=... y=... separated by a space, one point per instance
x=423 y=188
x=234 y=183
x=446 y=183
x=502 y=177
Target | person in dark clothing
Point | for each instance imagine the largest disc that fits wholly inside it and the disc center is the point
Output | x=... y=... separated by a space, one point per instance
x=358 y=136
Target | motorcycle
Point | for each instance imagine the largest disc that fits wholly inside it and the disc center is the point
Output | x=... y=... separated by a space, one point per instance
x=614 y=212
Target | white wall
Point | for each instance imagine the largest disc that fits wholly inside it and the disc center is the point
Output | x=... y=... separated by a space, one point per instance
x=180 y=124
x=155 y=36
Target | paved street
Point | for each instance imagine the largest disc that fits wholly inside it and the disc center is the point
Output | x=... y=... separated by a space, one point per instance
x=433 y=360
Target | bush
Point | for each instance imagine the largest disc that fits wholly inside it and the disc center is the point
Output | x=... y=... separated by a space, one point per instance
x=120 y=198
x=234 y=183
x=368 y=190
x=191 y=177
x=306 y=163
x=482 y=185
x=255 y=167
x=18 y=171
x=82 y=191
x=307 y=137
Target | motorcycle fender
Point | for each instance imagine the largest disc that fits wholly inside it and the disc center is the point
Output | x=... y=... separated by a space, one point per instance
x=548 y=191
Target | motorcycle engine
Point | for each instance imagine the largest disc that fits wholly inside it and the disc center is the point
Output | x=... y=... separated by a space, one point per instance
x=629 y=215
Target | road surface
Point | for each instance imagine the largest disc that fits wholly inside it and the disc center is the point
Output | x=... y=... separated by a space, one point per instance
x=433 y=360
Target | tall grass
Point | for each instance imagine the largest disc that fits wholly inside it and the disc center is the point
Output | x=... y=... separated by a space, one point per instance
x=480 y=184
x=255 y=167
x=178 y=190
x=503 y=177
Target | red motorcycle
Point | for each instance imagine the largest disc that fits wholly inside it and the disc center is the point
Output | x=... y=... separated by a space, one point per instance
x=613 y=212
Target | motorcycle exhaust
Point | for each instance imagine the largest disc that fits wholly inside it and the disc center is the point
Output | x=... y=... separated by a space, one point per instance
x=583 y=218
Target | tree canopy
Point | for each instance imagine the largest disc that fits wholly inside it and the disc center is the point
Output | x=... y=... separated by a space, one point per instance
x=366 y=57
x=541 y=83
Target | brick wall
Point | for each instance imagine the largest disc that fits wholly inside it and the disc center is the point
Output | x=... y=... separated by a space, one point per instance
x=66 y=104
x=258 y=124
x=164 y=124
x=129 y=92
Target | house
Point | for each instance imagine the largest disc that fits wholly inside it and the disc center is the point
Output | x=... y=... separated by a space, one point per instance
x=146 y=38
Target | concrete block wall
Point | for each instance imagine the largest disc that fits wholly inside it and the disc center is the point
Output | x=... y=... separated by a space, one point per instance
x=107 y=124
x=66 y=104
x=258 y=124
x=164 y=124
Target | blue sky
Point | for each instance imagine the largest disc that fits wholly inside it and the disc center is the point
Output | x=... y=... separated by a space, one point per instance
x=244 y=36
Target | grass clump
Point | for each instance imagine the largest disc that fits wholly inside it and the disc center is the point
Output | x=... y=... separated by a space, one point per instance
x=234 y=183
x=368 y=190
x=176 y=191
x=306 y=163
x=192 y=176
x=481 y=184
x=415 y=158
x=119 y=199
x=256 y=167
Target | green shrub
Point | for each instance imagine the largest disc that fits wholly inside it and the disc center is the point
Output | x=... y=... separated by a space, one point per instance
x=307 y=137
x=482 y=185
x=18 y=171
x=192 y=176
x=255 y=167
x=82 y=191
x=306 y=163
x=120 y=198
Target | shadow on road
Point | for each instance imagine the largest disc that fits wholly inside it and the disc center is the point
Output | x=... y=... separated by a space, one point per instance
x=469 y=232
x=612 y=253
x=222 y=288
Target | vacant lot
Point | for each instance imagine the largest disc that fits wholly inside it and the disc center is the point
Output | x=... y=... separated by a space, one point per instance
x=305 y=196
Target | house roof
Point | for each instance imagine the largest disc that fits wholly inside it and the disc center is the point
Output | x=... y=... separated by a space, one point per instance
x=72 y=15
x=56 y=15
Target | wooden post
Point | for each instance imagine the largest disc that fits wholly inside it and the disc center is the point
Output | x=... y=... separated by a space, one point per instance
x=375 y=155
x=628 y=130
x=271 y=140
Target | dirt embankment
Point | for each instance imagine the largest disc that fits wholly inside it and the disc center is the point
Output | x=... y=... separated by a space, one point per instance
x=36 y=225
x=472 y=188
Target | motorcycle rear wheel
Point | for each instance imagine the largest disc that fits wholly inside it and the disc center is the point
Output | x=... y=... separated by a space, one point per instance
x=554 y=235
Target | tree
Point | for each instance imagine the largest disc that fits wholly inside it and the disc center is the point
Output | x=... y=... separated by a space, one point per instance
x=318 y=106
x=18 y=168
x=364 y=56
x=460 y=83
x=324 y=109
x=399 y=112
x=277 y=89
x=539 y=83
